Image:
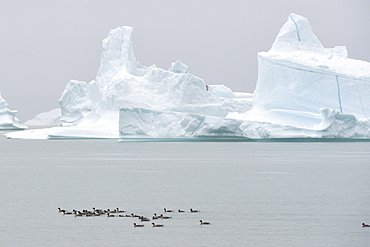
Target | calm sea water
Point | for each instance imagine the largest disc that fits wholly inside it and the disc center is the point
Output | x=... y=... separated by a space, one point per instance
x=254 y=194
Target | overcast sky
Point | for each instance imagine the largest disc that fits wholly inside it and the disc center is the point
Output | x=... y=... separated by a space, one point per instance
x=44 y=44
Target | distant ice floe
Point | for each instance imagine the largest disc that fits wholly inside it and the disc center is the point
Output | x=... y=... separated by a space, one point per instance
x=303 y=91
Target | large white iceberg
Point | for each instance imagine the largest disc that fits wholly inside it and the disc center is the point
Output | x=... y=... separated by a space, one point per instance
x=91 y=110
x=301 y=84
x=8 y=119
x=299 y=74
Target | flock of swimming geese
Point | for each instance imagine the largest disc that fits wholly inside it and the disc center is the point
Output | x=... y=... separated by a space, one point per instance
x=117 y=213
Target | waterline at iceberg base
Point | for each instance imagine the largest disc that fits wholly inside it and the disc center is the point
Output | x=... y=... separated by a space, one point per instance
x=304 y=92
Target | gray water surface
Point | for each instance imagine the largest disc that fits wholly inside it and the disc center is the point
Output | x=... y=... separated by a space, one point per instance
x=254 y=194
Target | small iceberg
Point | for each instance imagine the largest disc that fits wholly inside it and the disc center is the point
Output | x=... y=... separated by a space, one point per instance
x=8 y=119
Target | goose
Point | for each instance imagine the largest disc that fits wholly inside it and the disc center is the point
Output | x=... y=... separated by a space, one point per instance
x=97 y=210
x=194 y=211
x=156 y=217
x=61 y=210
x=365 y=225
x=204 y=222
x=156 y=225
x=181 y=211
x=120 y=211
x=165 y=217
x=85 y=211
x=142 y=218
x=136 y=225
x=65 y=212
x=110 y=215
x=167 y=210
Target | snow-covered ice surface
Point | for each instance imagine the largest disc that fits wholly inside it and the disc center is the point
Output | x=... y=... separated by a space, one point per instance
x=303 y=91
x=46 y=118
x=8 y=119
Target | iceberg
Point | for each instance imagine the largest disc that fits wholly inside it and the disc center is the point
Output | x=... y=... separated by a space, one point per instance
x=299 y=74
x=303 y=91
x=91 y=110
x=300 y=83
x=8 y=119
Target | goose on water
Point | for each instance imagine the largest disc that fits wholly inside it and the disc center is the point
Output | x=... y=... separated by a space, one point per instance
x=120 y=211
x=155 y=216
x=136 y=225
x=61 y=210
x=156 y=225
x=204 y=222
x=165 y=217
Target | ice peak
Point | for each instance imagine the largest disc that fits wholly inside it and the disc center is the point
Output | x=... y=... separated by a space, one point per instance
x=118 y=53
x=296 y=34
x=3 y=103
x=117 y=47
x=178 y=67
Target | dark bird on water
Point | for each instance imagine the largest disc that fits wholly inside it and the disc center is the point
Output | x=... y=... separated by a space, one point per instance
x=156 y=225
x=204 y=222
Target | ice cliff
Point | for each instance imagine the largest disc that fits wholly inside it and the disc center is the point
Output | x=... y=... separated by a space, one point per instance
x=299 y=74
x=303 y=85
x=8 y=119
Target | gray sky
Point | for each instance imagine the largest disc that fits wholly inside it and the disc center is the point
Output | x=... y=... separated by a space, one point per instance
x=44 y=44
